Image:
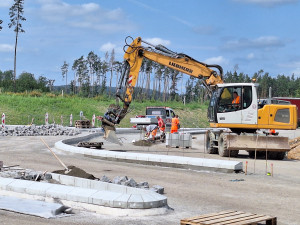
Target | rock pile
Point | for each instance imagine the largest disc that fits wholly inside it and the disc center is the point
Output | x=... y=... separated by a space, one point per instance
x=130 y=182
x=25 y=174
x=43 y=130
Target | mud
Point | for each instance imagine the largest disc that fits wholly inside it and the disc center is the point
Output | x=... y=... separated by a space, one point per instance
x=76 y=172
x=142 y=143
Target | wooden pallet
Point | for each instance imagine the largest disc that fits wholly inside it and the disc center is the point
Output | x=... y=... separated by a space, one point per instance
x=229 y=217
x=97 y=145
x=83 y=124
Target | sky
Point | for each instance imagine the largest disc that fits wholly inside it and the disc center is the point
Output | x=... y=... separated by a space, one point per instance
x=242 y=35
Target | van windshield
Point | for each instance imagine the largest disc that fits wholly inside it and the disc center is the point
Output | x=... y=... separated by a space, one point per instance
x=156 y=111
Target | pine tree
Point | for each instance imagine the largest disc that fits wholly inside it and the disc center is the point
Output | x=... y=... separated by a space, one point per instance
x=16 y=16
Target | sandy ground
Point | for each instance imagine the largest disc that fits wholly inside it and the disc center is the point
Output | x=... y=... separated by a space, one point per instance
x=190 y=193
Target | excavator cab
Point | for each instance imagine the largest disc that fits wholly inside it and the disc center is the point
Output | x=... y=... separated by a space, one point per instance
x=234 y=103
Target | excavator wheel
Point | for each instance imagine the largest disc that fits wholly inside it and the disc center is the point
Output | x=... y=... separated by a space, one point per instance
x=223 y=151
x=210 y=149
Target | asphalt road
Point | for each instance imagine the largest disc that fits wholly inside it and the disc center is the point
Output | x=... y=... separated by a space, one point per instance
x=190 y=193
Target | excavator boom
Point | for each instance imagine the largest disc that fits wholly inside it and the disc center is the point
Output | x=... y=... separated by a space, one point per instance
x=133 y=58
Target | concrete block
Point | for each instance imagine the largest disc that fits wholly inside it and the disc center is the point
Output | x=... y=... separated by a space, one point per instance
x=80 y=194
x=38 y=188
x=132 y=156
x=150 y=201
x=59 y=191
x=67 y=180
x=104 y=198
x=136 y=202
x=19 y=186
x=117 y=188
x=98 y=185
x=55 y=176
x=82 y=182
x=4 y=182
x=143 y=157
x=121 y=201
x=154 y=158
x=195 y=162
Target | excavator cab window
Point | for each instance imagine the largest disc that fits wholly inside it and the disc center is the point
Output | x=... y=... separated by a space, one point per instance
x=230 y=99
x=247 y=97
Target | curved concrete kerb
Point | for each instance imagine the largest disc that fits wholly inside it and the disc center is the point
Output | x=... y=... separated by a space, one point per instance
x=150 y=159
x=87 y=191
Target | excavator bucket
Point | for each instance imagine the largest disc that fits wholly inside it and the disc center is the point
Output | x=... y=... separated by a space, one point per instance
x=258 y=143
x=110 y=135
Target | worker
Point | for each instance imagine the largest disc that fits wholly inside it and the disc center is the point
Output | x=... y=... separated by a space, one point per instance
x=161 y=124
x=272 y=132
x=151 y=129
x=162 y=127
x=175 y=124
x=236 y=98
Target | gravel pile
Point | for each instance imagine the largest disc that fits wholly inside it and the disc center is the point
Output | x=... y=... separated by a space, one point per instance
x=43 y=130
x=25 y=174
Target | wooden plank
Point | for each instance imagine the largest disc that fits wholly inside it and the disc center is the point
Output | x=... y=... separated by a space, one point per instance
x=225 y=220
x=240 y=220
x=251 y=221
x=229 y=217
x=218 y=217
x=206 y=215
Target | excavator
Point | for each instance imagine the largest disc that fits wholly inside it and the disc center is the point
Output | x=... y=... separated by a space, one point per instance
x=235 y=125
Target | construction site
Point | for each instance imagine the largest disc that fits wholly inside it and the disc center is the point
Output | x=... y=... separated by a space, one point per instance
x=141 y=182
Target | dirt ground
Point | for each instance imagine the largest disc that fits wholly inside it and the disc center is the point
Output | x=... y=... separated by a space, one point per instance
x=190 y=193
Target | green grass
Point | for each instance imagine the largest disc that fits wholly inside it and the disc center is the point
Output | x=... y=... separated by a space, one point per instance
x=21 y=108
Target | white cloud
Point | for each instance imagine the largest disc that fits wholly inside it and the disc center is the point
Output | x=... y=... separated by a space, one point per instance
x=107 y=47
x=294 y=66
x=158 y=41
x=250 y=56
x=265 y=42
x=267 y=3
x=220 y=60
x=6 y=48
x=85 y=16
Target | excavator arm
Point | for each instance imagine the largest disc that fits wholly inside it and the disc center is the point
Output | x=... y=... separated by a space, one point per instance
x=133 y=58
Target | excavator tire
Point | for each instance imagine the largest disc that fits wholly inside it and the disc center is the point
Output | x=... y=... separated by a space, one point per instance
x=223 y=145
x=223 y=151
x=210 y=149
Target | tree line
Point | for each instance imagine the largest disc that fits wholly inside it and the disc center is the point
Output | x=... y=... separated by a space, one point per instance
x=25 y=82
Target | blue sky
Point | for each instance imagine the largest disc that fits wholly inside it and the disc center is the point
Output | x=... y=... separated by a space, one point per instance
x=246 y=34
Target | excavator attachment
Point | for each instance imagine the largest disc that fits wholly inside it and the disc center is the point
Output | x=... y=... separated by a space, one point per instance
x=109 y=120
x=110 y=134
x=258 y=143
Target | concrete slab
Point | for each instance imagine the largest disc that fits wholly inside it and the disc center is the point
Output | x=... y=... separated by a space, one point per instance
x=4 y=182
x=135 y=202
x=81 y=194
x=105 y=198
x=19 y=185
x=121 y=201
x=59 y=191
x=31 y=207
x=38 y=188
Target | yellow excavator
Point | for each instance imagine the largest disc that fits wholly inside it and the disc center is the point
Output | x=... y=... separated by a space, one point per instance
x=232 y=105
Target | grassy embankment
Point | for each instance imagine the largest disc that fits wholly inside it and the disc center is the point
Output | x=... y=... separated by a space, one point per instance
x=21 y=108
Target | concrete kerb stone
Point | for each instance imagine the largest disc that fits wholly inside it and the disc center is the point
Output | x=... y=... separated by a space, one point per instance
x=150 y=159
